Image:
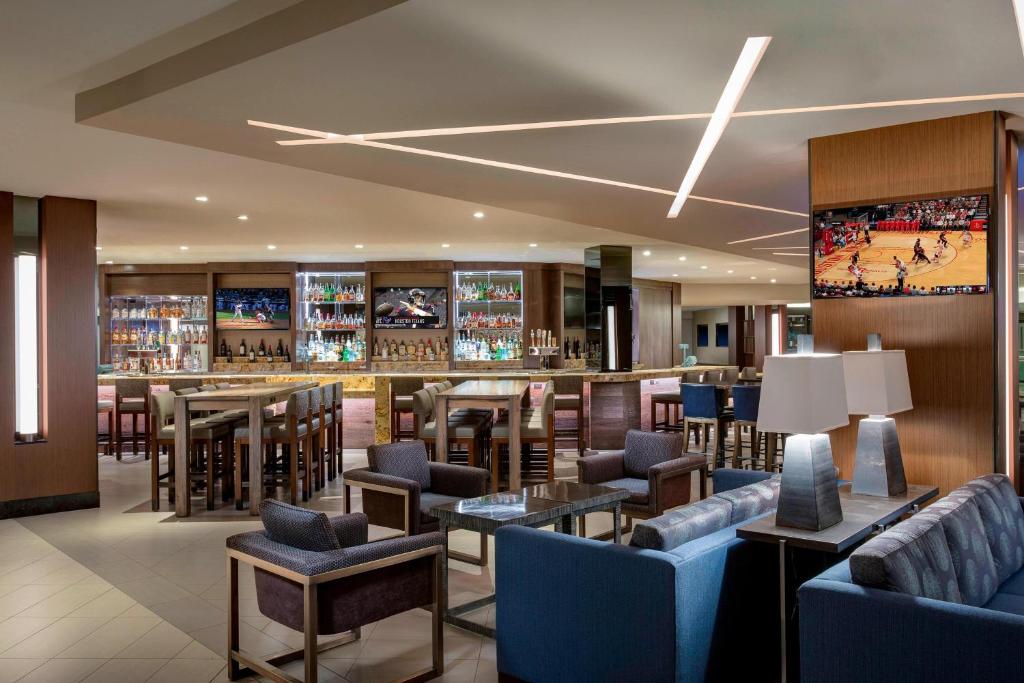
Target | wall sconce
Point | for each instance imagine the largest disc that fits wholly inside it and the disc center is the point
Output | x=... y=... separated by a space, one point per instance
x=26 y=347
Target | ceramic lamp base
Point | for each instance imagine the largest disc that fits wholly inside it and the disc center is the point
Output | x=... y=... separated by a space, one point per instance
x=808 y=494
x=879 y=467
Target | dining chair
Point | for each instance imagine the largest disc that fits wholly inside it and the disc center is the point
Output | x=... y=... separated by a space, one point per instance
x=131 y=397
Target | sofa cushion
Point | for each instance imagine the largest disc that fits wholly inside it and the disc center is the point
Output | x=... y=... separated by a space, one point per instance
x=752 y=500
x=404 y=459
x=645 y=449
x=682 y=525
x=972 y=558
x=912 y=557
x=1013 y=585
x=1005 y=602
x=298 y=527
x=639 y=493
x=1003 y=519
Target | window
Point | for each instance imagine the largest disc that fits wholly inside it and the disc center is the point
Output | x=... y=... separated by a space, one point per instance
x=702 y=336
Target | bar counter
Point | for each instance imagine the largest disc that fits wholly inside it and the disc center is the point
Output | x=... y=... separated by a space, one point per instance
x=614 y=396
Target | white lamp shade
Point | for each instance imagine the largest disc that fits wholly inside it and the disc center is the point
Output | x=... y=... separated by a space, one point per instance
x=876 y=382
x=802 y=394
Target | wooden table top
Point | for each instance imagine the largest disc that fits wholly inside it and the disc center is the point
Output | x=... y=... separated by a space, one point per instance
x=861 y=515
x=488 y=388
x=245 y=391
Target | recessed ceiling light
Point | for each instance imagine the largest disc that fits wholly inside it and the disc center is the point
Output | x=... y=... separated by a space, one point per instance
x=765 y=237
x=109 y=263
x=647 y=252
x=99 y=248
x=533 y=244
x=359 y=246
x=675 y=274
x=243 y=217
x=773 y=280
x=703 y=267
x=202 y=198
x=748 y=60
x=478 y=214
x=753 y=277
x=729 y=271
x=445 y=245
x=271 y=247
x=183 y=248
x=682 y=258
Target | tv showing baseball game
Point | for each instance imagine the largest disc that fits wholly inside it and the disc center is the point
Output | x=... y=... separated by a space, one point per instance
x=410 y=308
x=925 y=247
x=253 y=308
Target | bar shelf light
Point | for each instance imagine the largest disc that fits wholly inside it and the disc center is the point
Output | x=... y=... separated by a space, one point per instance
x=26 y=347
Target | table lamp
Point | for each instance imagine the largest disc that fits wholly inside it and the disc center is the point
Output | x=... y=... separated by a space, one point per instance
x=802 y=394
x=877 y=385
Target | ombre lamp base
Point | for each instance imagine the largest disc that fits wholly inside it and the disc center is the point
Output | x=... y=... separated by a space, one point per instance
x=879 y=467
x=808 y=494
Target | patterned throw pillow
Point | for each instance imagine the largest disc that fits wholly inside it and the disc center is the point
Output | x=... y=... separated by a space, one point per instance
x=972 y=558
x=683 y=525
x=752 y=500
x=1003 y=520
x=298 y=527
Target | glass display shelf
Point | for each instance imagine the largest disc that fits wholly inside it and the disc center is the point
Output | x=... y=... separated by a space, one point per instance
x=158 y=333
x=331 y=324
x=489 y=315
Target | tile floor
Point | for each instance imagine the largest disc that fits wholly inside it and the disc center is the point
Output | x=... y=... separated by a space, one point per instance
x=122 y=594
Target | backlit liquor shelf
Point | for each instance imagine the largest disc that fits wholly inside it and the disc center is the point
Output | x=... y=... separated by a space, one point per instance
x=159 y=333
x=331 y=319
x=489 y=315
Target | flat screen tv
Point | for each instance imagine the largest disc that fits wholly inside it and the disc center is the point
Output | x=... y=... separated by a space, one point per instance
x=253 y=308
x=410 y=308
x=924 y=247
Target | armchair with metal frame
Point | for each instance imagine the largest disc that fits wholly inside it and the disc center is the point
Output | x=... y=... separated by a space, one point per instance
x=652 y=467
x=320 y=576
x=400 y=486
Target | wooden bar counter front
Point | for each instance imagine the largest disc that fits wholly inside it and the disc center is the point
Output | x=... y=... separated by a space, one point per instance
x=614 y=396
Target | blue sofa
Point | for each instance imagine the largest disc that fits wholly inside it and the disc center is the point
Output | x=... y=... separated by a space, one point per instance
x=686 y=601
x=939 y=597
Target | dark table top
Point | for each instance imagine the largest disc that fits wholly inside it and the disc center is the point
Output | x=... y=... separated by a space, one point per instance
x=861 y=515
x=490 y=512
x=580 y=496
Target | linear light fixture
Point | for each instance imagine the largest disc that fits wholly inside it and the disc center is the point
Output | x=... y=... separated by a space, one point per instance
x=500 y=164
x=614 y=120
x=26 y=346
x=765 y=237
x=774 y=248
x=1018 y=14
x=749 y=58
x=789 y=253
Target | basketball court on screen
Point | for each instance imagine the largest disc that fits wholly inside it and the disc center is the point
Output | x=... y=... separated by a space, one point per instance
x=958 y=264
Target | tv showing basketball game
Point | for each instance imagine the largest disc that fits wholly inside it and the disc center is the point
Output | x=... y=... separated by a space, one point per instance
x=925 y=247
x=410 y=308
x=253 y=308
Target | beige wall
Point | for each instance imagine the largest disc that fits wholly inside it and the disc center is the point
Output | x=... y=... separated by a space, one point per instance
x=744 y=295
x=711 y=354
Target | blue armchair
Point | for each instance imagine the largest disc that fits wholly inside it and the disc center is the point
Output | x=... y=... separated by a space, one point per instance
x=321 y=577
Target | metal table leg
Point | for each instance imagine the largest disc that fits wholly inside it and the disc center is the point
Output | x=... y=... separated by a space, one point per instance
x=617 y=523
x=782 y=608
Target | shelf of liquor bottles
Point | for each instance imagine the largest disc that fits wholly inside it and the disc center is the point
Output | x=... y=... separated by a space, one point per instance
x=158 y=333
x=331 y=321
x=489 y=315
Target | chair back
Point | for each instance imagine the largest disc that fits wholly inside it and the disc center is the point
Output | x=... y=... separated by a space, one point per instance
x=700 y=400
x=405 y=386
x=646 y=449
x=183 y=383
x=316 y=401
x=730 y=375
x=745 y=399
x=208 y=387
x=339 y=392
x=444 y=386
x=131 y=388
x=749 y=372
x=422 y=407
x=547 y=401
x=568 y=385
x=692 y=377
x=185 y=391
x=161 y=406
x=223 y=385
x=713 y=376
x=297 y=406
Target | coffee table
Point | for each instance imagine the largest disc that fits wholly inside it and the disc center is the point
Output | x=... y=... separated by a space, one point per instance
x=583 y=498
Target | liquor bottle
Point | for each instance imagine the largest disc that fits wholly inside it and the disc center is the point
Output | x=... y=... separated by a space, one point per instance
x=230 y=358
x=134 y=339
x=252 y=354
x=241 y=350
x=287 y=354
x=280 y=349
x=385 y=351
x=376 y=349
x=567 y=348
x=263 y=350
x=223 y=348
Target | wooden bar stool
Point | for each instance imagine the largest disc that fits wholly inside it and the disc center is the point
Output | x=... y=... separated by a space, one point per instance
x=673 y=402
x=107 y=408
x=745 y=401
x=131 y=397
x=537 y=425
x=569 y=396
x=402 y=389
x=291 y=435
x=704 y=405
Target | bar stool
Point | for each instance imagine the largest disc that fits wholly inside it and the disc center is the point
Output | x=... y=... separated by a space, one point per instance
x=106 y=407
x=131 y=397
x=402 y=389
x=569 y=396
x=536 y=425
x=673 y=402
x=291 y=435
x=730 y=376
x=468 y=428
x=332 y=427
x=745 y=401
x=178 y=383
x=704 y=405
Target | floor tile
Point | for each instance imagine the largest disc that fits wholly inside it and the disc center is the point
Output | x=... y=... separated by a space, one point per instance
x=55 y=638
x=112 y=603
x=191 y=670
x=111 y=638
x=62 y=671
x=13 y=630
x=65 y=601
x=125 y=671
x=13 y=669
x=163 y=641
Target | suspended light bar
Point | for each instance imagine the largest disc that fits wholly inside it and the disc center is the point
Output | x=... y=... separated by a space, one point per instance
x=26 y=349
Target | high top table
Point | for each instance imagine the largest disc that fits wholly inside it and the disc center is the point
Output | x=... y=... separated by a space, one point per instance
x=488 y=393
x=254 y=397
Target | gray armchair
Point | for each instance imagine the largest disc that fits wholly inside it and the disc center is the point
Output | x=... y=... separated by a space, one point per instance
x=400 y=486
x=321 y=577
x=652 y=467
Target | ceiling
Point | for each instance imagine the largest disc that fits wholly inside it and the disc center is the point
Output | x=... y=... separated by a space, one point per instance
x=440 y=63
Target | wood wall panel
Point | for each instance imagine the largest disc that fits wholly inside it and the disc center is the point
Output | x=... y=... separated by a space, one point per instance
x=942 y=156
x=949 y=436
x=65 y=463
x=655 y=332
x=7 y=326
x=154 y=284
